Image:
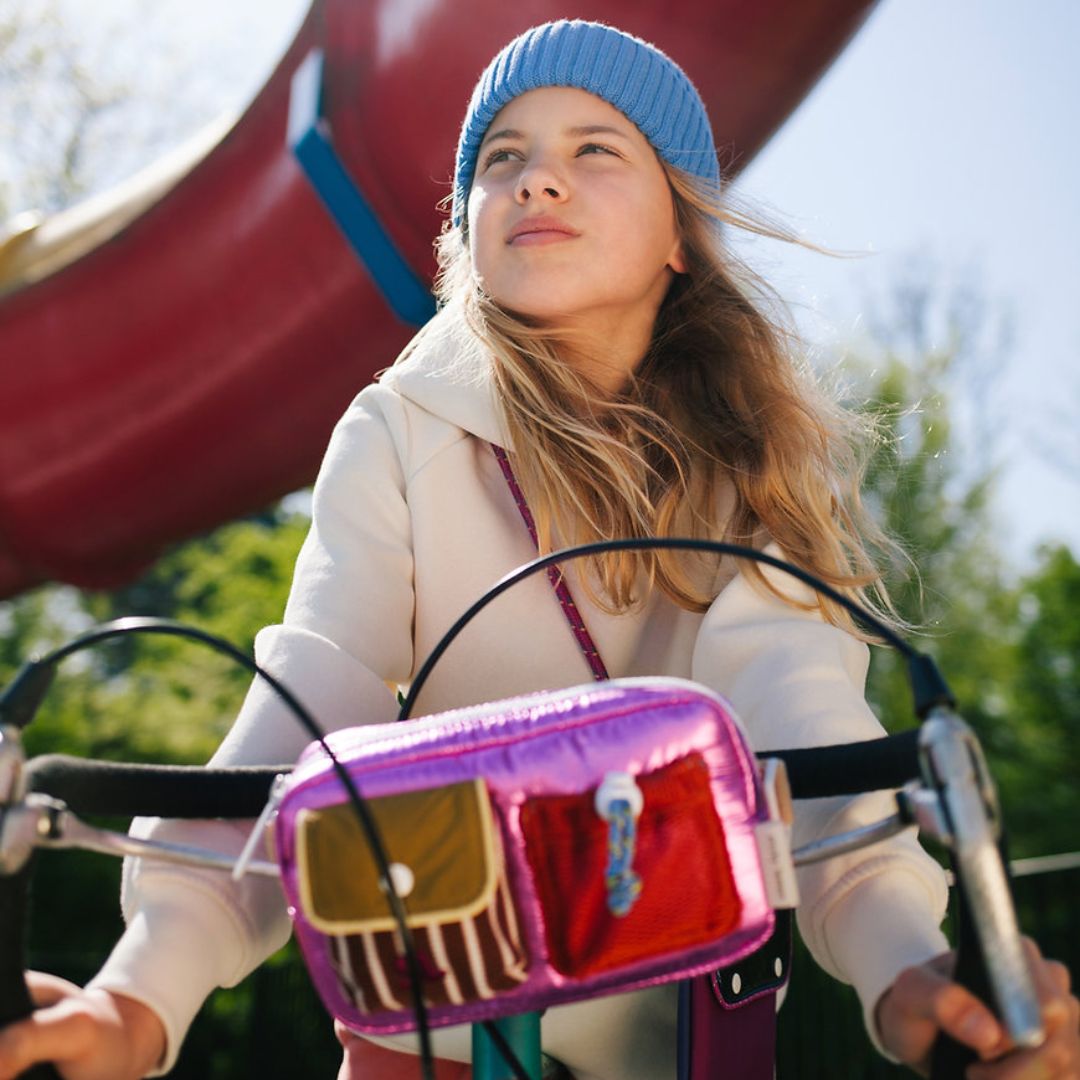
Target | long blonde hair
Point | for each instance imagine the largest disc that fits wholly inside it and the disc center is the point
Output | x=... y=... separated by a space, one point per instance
x=721 y=433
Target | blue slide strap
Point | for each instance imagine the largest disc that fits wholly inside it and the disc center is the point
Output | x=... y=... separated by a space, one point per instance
x=405 y=293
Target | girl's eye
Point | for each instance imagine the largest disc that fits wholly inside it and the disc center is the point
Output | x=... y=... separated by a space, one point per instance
x=594 y=148
x=496 y=157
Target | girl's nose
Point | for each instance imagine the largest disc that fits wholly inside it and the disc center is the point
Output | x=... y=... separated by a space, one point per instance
x=539 y=180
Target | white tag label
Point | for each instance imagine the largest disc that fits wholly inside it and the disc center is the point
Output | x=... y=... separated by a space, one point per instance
x=777 y=869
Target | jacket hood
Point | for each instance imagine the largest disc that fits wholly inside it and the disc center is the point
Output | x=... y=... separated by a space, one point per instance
x=447 y=371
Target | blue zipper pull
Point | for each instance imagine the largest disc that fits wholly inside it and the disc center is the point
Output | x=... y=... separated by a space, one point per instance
x=619 y=801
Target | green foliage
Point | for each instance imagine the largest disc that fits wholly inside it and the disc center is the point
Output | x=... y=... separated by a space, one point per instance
x=1038 y=766
x=955 y=590
x=151 y=697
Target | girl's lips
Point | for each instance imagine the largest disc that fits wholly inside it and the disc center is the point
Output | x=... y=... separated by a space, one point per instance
x=540 y=230
x=541 y=236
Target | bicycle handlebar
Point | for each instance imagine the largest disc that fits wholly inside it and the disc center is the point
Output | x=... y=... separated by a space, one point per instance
x=123 y=789
x=167 y=785
x=128 y=790
x=120 y=789
x=991 y=960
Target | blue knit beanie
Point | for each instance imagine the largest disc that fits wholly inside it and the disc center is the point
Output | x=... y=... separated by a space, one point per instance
x=646 y=86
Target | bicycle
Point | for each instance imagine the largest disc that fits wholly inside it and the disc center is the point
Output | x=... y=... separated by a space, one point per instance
x=942 y=777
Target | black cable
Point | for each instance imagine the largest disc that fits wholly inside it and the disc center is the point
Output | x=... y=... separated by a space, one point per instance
x=715 y=547
x=14 y=710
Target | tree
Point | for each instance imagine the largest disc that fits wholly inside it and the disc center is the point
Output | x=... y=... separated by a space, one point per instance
x=53 y=102
x=1040 y=765
x=933 y=354
x=92 y=93
x=1002 y=645
x=151 y=697
x=955 y=589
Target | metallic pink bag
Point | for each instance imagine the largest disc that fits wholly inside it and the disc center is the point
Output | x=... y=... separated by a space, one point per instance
x=549 y=848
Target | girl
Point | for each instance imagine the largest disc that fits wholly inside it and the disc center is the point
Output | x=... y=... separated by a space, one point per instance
x=592 y=326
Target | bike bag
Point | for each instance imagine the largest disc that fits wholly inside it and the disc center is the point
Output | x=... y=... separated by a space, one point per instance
x=549 y=848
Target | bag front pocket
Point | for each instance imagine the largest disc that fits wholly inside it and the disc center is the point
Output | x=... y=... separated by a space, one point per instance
x=448 y=864
x=685 y=895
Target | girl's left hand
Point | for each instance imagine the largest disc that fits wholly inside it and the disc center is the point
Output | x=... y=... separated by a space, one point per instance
x=925 y=1001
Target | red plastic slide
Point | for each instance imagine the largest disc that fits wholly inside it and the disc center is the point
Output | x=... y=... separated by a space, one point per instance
x=181 y=360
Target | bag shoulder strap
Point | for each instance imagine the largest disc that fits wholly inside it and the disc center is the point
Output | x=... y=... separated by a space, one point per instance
x=708 y=1034
x=555 y=575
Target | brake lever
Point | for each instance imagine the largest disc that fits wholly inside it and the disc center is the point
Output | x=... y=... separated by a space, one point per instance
x=959 y=806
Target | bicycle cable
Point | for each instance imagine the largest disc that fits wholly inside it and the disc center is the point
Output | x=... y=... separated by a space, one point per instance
x=927 y=684
x=21 y=698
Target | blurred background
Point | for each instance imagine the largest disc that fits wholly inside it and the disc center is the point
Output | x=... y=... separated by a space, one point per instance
x=936 y=154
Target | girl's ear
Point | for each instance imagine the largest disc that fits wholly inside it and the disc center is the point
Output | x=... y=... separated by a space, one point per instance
x=677 y=260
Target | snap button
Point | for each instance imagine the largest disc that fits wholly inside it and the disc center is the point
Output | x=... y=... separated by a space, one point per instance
x=736 y=983
x=402 y=878
x=778 y=967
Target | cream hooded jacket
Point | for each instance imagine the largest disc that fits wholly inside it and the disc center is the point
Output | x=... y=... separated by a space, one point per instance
x=411 y=521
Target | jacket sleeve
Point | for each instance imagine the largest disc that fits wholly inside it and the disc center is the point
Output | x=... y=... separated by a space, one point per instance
x=346 y=633
x=796 y=680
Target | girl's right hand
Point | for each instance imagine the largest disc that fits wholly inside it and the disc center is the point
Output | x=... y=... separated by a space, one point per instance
x=86 y=1034
x=924 y=1001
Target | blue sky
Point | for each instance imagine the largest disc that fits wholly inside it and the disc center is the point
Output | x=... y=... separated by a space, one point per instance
x=949 y=131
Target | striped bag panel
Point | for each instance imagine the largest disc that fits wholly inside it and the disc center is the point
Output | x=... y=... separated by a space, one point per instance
x=458 y=898
x=472 y=959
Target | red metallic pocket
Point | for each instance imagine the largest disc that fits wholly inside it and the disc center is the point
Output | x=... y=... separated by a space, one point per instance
x=688 y=894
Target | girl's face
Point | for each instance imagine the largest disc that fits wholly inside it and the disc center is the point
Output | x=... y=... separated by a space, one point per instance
x=570 y=215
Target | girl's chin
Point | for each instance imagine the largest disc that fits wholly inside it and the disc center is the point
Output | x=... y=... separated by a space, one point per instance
x=542 y=320
x=540 y=313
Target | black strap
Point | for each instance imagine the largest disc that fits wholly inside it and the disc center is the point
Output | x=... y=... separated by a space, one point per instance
x=15 y=1003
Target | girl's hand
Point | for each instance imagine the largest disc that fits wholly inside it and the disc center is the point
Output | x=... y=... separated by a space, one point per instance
x=925 y=1001
x=86 y=1034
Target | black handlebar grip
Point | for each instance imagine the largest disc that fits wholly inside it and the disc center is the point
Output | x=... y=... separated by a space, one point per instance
x=15 y=1002
x=124 y=789
x=950 y=1059
x=851 y=768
